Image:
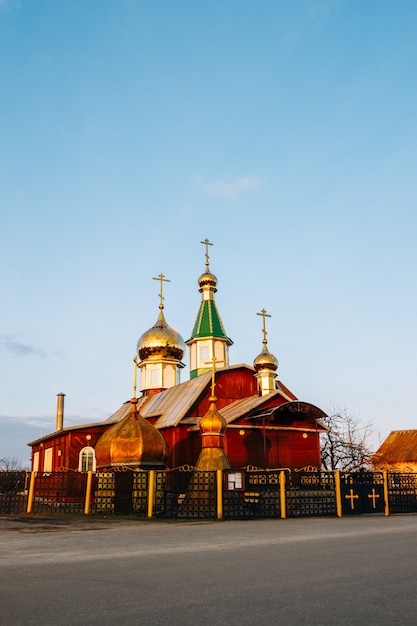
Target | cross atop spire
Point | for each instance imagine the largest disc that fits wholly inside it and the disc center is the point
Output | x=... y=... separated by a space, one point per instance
x=213 y=362
x=264 y=315
x=135 y=370
x=207 y=243
x=161 y=279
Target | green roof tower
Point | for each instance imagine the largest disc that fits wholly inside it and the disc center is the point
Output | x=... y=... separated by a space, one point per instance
x=208 y=342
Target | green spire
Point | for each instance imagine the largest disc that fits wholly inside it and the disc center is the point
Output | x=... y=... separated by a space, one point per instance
x=208 y=322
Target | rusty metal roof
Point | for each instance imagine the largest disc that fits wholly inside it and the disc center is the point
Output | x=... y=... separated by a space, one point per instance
x=399 y=446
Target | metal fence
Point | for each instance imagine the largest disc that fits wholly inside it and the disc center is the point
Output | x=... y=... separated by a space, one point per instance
x=185 y=492
x=13 y=491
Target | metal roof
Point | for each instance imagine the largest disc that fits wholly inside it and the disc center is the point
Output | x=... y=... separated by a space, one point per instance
x=170 y=405
x=235 y=410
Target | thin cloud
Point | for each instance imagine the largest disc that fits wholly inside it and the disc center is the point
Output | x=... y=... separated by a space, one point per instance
x=232 y=189
x=19 y=349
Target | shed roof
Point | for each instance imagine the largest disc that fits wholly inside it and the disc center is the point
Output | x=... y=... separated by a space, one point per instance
x=399 y=446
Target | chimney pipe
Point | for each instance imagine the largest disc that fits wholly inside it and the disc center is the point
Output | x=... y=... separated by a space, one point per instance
x=60 y=412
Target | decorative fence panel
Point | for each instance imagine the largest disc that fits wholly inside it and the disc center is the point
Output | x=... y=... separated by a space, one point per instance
x=252 y=493
x=402 y=492
x=13 y=491
x=310 y=492
x=59 y=492
x=121 y=492
x=186 y=493
x=362 y=492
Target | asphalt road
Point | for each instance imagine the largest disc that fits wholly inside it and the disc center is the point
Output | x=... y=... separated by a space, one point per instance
x=360 y=570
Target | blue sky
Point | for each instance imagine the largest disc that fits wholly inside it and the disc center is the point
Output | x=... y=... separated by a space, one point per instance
x=285 y=132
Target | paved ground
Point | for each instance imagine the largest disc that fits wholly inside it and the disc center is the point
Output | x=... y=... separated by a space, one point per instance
x=356 y=571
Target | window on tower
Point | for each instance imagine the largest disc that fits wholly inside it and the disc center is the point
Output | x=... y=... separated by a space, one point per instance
x=204 y=355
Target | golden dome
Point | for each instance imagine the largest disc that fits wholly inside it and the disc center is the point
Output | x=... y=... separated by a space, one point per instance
x=213 y=425
x=212 y=422
x=161 y=341
x=132 y=442
x=265 y=360
x=208 y=279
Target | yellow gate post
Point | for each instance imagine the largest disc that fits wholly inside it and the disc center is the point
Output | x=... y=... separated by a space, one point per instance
x=282 y=495
x=338 y=494
x=151 y=492
x=386 y=501
x=219 y=473
x=88 y=492
x=31 y=490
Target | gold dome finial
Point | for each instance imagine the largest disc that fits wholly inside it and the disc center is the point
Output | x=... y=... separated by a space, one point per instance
x=264 y=315
x=160 y=340
x=213 y=362
x=162 y=280
x=265 y=360
x=207 y=281
x=135 y=370
x=207 y=243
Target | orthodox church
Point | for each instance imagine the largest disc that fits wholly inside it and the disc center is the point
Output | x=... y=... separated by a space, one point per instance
x=224 y=416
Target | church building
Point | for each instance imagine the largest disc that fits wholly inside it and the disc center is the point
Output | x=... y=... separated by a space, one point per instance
x=224 y=416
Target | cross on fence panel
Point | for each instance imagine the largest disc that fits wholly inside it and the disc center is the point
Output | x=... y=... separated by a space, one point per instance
x=362 y=492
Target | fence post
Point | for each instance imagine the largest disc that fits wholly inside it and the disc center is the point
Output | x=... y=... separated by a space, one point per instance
x=282 y=495
x=386 y=501
x=88 y=492
x=219 y=493
x=31 y=490
x=151 y=492
x=338 y=494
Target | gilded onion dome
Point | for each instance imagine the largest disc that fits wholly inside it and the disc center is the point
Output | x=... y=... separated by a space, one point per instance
x=212 y=427
x=161 y=341
x=265 y=360
x=213 y=423
x=208 y=280
x=132 y=442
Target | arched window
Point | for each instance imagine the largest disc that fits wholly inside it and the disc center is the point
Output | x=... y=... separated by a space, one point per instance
x=87 y=460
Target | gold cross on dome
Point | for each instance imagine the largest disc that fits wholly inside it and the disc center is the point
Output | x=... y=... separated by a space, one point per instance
x=206 y=243
x=135 y=369
x=213 y=362
x=264 y=314
x=161 y=279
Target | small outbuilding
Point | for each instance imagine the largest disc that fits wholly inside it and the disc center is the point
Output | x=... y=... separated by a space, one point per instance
x=398 y=452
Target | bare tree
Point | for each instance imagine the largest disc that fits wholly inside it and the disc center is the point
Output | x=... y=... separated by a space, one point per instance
x=9 y=464
x=346 y=444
